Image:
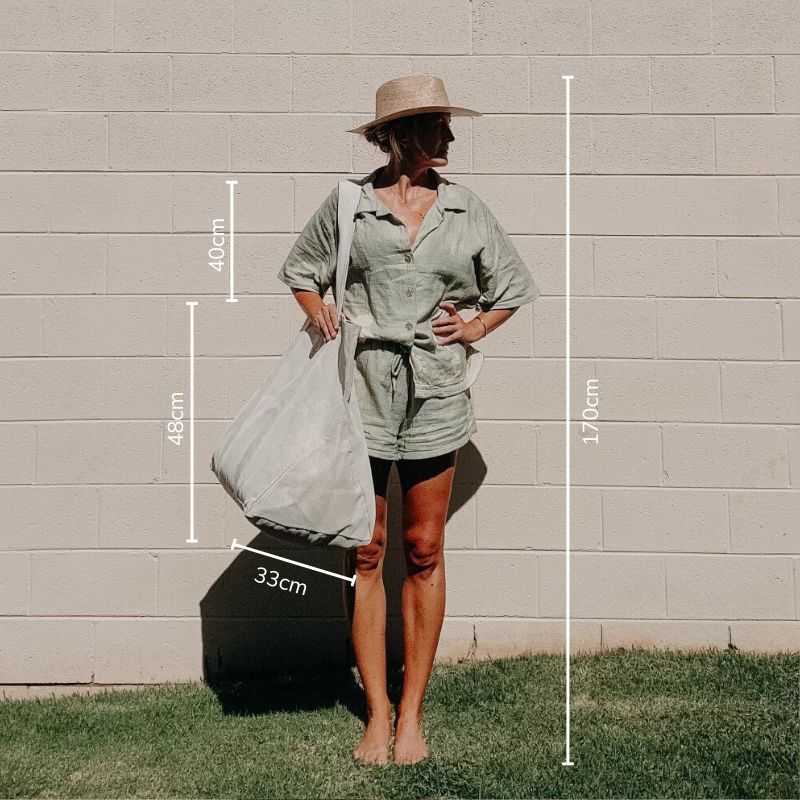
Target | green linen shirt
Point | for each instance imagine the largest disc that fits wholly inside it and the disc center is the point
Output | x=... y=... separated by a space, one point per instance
x=393 y=288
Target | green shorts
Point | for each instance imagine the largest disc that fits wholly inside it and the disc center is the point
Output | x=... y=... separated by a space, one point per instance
x=396 y=424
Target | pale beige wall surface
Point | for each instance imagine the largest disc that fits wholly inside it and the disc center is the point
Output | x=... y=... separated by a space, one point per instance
x=120 y=122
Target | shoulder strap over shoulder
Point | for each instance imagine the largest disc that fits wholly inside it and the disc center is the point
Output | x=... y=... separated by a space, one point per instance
x=349 y=195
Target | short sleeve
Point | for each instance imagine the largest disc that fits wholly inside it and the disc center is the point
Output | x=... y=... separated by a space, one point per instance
x=503 y=278
x=311 y=263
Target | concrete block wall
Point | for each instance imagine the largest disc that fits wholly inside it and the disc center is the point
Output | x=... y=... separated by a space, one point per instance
x=120 y=121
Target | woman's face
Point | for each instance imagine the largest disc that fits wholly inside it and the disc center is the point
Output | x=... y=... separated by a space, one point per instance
x=435 y=137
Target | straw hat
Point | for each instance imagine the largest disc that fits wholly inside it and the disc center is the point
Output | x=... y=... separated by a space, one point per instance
x=412 y=94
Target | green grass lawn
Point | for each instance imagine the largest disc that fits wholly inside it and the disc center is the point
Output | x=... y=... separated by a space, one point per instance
x=643 y=724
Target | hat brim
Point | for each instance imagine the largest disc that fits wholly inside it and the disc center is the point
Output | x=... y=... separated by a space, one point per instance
x=456 y=111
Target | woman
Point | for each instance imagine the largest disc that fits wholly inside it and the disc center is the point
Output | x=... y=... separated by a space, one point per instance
x=418 y=239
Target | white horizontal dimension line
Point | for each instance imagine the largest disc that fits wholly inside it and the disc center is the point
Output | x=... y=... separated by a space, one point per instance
x=351 y=581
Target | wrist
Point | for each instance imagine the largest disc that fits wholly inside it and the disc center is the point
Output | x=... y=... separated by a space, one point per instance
x=480 y=328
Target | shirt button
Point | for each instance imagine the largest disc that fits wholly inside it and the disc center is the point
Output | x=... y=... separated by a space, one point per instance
x=408 y=257
x=409 y=292
x=409 y=326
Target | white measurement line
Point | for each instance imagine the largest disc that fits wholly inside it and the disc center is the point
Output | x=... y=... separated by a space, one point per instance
x=567 y=78
x=351 y=581
x=231 y=298
x=191 y=304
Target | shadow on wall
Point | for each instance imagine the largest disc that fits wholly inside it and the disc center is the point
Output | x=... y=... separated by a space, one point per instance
x=276 y=636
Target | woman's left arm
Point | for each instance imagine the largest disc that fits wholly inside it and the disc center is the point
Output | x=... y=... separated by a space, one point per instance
x=490 y=319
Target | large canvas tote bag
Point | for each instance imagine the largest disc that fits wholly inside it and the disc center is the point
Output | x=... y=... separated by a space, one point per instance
x=295 y=458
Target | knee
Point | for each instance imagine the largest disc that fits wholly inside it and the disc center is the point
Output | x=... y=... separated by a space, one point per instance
x=423 y=553
x=369 y=557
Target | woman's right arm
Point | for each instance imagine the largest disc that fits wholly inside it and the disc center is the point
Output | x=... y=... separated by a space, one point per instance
x=322 y=316
x=310 y=267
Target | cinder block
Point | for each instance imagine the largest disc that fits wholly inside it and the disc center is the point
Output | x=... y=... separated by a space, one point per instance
x=652 y=145
x=132 y=650
x=58 y=26
x=601 y=85
x=109 y=82
x=133 y=517
x=531 y=144
x=176 y=27
x=293 y=26
x=765 y=636
x=791 y=329
x=760 y=392
x=18 y=445
x=289 y=142
x=765 y=522
x=45 y=650
x=227 y=82
x=787 y=84
x=718 y=328
x=446 y=28
x=628 y=454
x=712 y=85
x=742 y=27
x=104 y=326
x=601 y=327
x=735 y=456
x=23 y=80
x=628 y=26
x=658 y=389
x=54 y=264
x=44 y=517
x=53 y=141
x=22 y=325
x=265 y=207
x=98 y=452
x=15 y=577
x=655 y=265
x=28 y=386
x=531 y=26
x=761 y=267
x=603 y=585
x=25 y=203
x=756 y=146
x=789 y=205
x=185 y=141
x=533 y=518
x=665 y=520
x=730 y=587
x=671 y=205
x=491 y=584
x=107 y=203
x=86 y=583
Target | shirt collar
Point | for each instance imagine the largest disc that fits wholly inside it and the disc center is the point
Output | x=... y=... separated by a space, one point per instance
x=446 y=192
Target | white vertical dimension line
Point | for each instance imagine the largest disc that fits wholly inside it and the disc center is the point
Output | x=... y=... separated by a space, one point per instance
x=231 y=298
x=567 y=435
x=191 y=304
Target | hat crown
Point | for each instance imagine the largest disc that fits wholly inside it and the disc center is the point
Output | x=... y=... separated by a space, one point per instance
x=409 y=92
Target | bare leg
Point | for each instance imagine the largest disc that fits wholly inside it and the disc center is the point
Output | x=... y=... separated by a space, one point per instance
x=367 y=612
x=427 y=485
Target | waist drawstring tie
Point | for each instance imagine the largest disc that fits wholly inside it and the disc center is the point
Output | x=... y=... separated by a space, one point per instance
x=397 y=363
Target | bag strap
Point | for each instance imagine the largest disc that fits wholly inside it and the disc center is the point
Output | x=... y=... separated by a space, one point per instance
x=349 y=195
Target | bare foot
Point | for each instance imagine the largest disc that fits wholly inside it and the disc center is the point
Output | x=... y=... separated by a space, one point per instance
x=409 y=741
x=374 y=745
